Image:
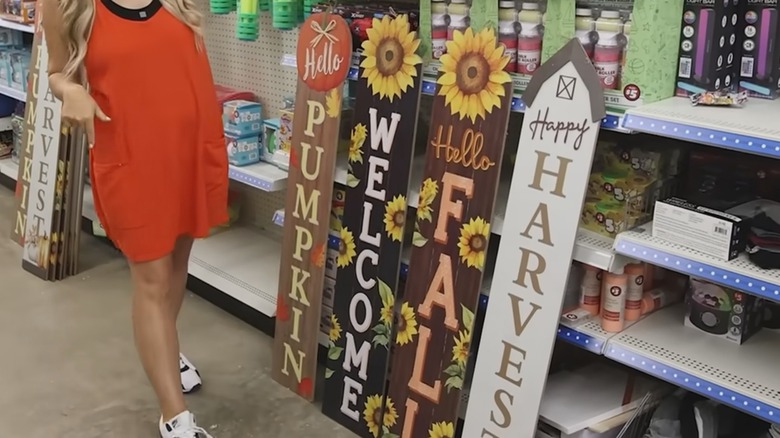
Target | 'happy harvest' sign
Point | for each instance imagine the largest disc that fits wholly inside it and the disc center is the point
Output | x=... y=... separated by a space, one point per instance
x=432 y=333
x=324 y=48
x=557 y=142
x=380 y=158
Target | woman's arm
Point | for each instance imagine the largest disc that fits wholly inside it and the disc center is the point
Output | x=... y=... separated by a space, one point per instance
x=58 y=49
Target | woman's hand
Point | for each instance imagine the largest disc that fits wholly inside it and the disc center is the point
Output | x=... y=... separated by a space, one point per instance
x=79 y=109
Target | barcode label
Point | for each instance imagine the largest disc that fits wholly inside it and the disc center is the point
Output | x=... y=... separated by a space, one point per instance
x=685 y=68
x=746 y=70
x=721 y=230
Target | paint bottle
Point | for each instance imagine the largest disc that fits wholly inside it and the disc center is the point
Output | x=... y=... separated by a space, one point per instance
x=627 y=36
x=507 y=34
x=590 y=291
x=438 y=29
x=458 y=12
x=583 y=29
x=635 y=290
x=658 y=299
x=613 y=302
x=606 y=54
x=529 y=43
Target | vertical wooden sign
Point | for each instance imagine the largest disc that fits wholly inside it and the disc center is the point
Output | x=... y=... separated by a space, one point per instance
x=39 y=223
x=38 y=70
x=380 y=159
x=324 y=50
x=434 y=321
x=560 y=129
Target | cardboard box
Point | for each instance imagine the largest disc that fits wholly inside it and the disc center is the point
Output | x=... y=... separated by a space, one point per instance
x=722 y=312
x=759 y=72
x=242 y=118
x=712 y=232
x=242 y=151
x=648 y=67
x=708 y=46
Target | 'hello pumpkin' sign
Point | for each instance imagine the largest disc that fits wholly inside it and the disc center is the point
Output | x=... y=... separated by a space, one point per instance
x=324 y=47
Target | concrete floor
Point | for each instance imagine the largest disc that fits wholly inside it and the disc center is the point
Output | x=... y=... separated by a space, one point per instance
x=68 y=367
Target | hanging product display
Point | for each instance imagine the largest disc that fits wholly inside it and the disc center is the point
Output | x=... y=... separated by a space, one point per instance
x=435 y=316
x=47 y=182
x=247 y=27
x=557 y=143
x=284 y=14
x=324 y=50
x=371 y=237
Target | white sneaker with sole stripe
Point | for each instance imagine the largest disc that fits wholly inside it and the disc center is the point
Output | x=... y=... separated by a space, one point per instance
x=190 y=377
x=182 y=426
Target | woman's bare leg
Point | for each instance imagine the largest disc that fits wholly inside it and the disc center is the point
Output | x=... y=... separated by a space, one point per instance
x=154 y=327
x=181 y=260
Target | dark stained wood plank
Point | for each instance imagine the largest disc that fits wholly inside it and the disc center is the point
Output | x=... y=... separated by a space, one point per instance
x=380 y=158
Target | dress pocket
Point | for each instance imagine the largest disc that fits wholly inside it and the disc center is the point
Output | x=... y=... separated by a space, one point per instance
x=111 y=146
x=215 y=165
x=119 y=196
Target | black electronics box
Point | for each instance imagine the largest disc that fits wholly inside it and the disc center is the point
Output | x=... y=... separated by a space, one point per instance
x=759 y=72
x=709 y=46
x=709 y=231
x=722 y=312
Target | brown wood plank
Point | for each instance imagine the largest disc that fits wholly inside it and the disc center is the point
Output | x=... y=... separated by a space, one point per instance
x=324 y=50
x=380 y=159
x=463 y=161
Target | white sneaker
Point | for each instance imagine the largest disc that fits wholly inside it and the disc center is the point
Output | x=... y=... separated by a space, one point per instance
x=190 y=377
x=182 y=426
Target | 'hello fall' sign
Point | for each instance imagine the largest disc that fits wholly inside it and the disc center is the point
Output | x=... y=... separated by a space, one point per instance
x=560 y=129
x=380 y=158
x=435 y=318
x=324 y=50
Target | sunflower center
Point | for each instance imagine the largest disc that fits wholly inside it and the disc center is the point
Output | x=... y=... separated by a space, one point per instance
x=390 y=56
x=398 y=218
x=477 y=242
x=342 y=247
x=377 y=416
x=400 y=323
x=473 y=73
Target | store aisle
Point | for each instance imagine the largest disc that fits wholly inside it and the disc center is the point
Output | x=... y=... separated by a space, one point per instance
x=68 y=368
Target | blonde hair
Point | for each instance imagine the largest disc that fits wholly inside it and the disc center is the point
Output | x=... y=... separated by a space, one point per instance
x=78 y=16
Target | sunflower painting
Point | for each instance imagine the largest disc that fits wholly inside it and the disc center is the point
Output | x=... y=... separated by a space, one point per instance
x=473 y=242
x=346 y=248
x=456 y=371
x=428 y=192
x=334 y=333
x=395 y=217
x=356 y=140
x=383 y=329
x=472 y=74
x=444 y=429
x=406 y=327
x=390 y=61
x=375 y=420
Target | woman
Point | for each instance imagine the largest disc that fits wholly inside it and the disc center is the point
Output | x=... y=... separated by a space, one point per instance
x=157 y=158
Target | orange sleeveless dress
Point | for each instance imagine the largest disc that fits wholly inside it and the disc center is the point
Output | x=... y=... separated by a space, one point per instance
x=159 y=168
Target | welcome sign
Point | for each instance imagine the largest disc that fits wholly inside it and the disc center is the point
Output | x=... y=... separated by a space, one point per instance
x=324 y=50
x=557 y=142
x=380 y=158
x=436 y=315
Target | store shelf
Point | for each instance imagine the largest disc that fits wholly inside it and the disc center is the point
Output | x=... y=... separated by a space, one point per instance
x=588 y=336
x=263 y=176
x=14 y=93
x=753 y=128
x=9 y=168
x=8 y=24
x=278 y=218
x=242 y=263
x=742 y=376
x=739 y=274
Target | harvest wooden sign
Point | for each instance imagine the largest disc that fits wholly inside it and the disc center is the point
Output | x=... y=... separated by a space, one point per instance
x=40 y=186
x=324 y=49
x=380 y=158
x=435 y=319
x=560 y=128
